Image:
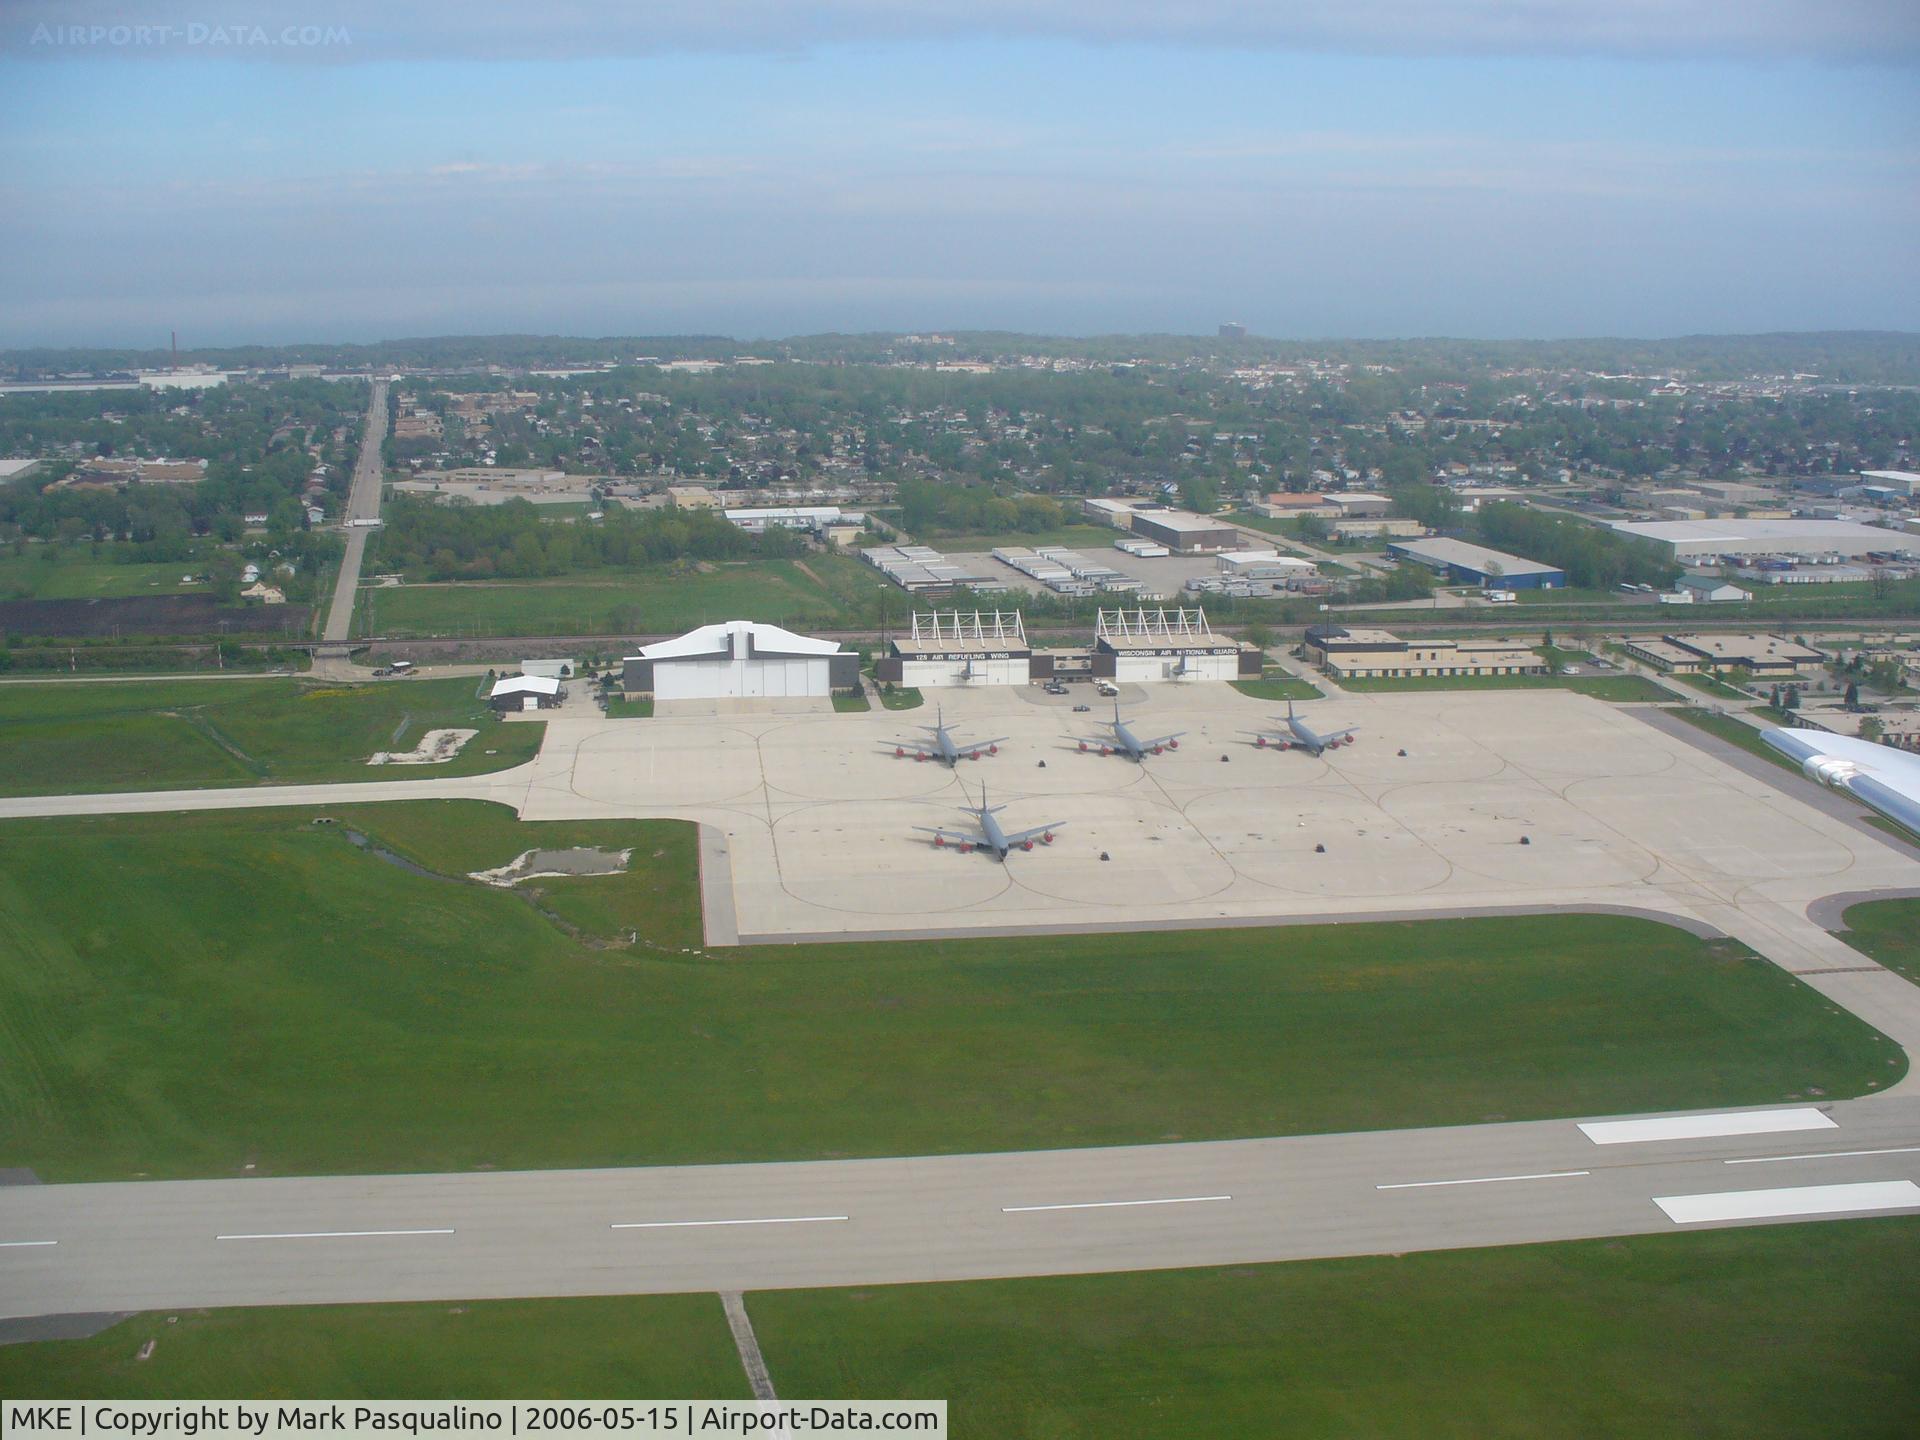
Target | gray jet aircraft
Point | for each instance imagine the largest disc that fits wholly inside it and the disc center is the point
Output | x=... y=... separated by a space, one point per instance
x=990 y=837
x=943 y=747
x=1301 y=736
x=1126 y=743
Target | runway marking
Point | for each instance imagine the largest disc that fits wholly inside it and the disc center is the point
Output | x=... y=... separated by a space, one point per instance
x=1800 y=1200
x=692 y=1224
x=1706 y=1127
x=330 y=1234
x=1114 y=1204
x=1825 y=1155
x=25 y=1244
x=1483 y=1180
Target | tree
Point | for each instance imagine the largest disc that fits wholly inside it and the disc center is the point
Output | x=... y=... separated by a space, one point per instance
x=1852 y=700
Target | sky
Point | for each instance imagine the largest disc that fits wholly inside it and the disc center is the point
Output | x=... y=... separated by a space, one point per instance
x=281 y=171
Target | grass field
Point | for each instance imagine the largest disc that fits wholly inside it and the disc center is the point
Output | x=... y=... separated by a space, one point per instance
x=1279 y=686
x=619 y=707
x=49 y=572
x=1736 y=732
x=1751 y=1334
x=161 y=735
x=822 y=590
x=176 y=1018
x=1887 y=930
x=851 y=704
x=1617 y=688
x=1792 y=1331
x=662 y=1346
x=901 y=697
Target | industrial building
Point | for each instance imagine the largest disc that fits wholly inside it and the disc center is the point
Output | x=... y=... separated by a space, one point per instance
x=960 y=647
x=922 y=570
x=1465 y=564
x=1149 y=645
x=1767 y=656
x=525 y=692
x=740 y=659
x=1185 y=533
x=1265 y=565
x=1376 y=654
x=1695 y=542
x=1375 y=528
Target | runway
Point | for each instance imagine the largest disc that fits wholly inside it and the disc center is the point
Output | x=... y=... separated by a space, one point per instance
x=160 y=1245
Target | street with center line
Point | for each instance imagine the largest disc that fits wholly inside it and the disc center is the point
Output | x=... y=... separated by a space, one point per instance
x=137 y=1246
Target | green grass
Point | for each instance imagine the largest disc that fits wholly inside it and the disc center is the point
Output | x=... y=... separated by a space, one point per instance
x=1735 y=732
x=157 y=735
x=49 y=573
x=621 y=707
x=1887 y=930
x=855 y=704
x=660 y=1346
x=901 y=697
x=1713 y=685
x=1620 y=689
x=1280 y=686
x=179 y=1014
x=1754 y=1334
x=820 y=590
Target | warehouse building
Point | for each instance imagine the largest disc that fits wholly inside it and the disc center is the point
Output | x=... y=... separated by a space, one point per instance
x=1378 y=654
x=525 y=692
x=1769 y=656
x=1185 y=533
x=740 y=659
x=1706 y=542
x=1464 y=564
x=960 y=647
x=1150 y=645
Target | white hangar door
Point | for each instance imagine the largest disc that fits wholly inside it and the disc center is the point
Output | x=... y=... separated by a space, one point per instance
x=695 y=679
x=776 y=678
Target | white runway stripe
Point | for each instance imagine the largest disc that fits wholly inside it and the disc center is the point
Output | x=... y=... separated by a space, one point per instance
x=1706 y=1127
x=1799 y=1200
x=1825 y=1155
x=329 y=1234
x=1113 y=1204
x=1483 y=1180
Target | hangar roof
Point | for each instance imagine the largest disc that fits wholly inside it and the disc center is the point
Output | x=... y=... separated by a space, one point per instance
x=740 y=639
x=524 y=685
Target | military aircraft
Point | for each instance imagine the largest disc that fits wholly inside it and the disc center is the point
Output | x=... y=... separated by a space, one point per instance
x=1125 y=742
x=990 y=837
x=943 y=747
x=1301 y=736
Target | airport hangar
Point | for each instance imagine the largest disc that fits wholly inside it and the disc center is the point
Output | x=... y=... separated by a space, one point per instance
x=1465 y=564
x=963 y=647
x=739 y=659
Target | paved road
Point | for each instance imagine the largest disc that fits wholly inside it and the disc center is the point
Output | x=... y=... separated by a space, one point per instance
x=144 y=1246
x=363 y=503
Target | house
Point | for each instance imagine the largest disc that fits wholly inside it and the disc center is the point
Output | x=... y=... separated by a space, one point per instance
x=266 y=594
x=1711 y=587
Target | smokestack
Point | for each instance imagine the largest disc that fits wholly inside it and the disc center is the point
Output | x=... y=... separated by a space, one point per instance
x=175 y=334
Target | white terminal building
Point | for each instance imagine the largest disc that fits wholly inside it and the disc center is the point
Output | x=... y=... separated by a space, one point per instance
x=960 y=647
x=740 y=659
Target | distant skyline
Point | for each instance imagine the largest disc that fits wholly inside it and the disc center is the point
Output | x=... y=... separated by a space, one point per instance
x=277 y=172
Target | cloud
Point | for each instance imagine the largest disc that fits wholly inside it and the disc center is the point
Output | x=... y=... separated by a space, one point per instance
x=337 y=31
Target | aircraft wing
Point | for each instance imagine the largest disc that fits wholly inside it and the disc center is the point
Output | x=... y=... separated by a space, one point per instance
x=917 y=747
x=1877 y=775
x=953 y=837
x=979 y=744
x=1339 y=734
x=1038 y=832
x=1160 y=740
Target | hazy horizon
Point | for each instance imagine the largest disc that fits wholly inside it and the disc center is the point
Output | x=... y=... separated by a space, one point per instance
x=275 y=173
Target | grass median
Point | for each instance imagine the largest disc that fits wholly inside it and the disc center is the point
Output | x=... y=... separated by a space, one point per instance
x=249 y=989
x=62 y=738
